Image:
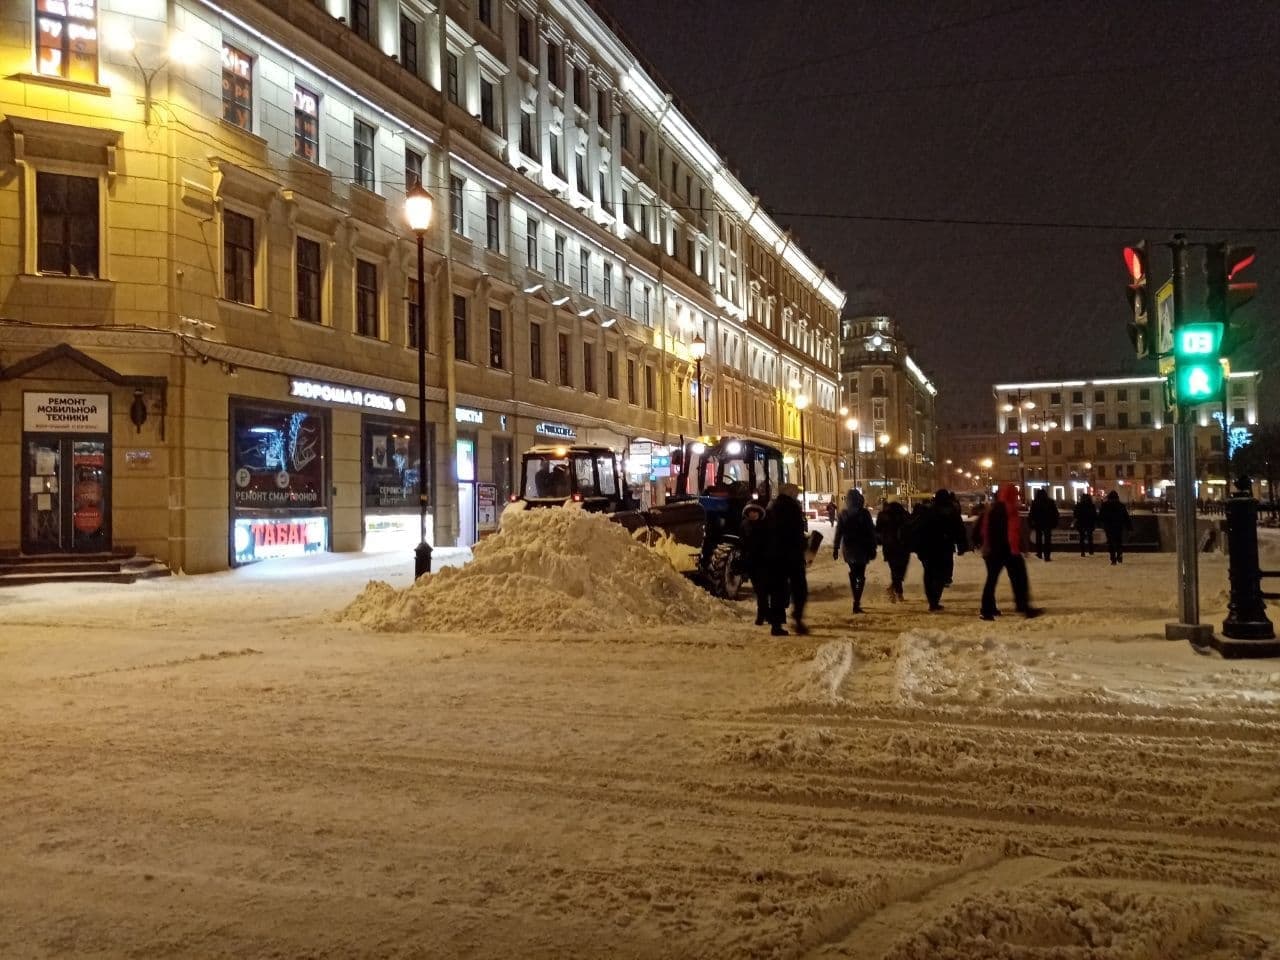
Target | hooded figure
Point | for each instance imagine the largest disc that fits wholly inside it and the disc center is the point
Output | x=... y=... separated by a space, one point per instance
x=1115 y=520
x=856 y=535
x=1001 y=539
x=1086 y=517
x=1044 y=519
x=937 y=536
x=790 y=545
x=891 y=528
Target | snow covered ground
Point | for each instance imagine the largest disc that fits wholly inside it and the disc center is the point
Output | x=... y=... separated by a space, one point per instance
x=218 y=766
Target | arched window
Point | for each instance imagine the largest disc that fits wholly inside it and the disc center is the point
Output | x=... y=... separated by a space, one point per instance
x=877 y=385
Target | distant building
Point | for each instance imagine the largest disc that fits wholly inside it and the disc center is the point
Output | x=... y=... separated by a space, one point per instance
x=967 y=455
x=1111 y=433
x=894 y=444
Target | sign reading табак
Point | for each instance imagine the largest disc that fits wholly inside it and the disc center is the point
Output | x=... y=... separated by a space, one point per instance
x=66 y=412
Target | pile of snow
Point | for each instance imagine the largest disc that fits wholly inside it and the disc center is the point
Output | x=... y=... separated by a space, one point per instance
x=935 y=667
x=546 y=570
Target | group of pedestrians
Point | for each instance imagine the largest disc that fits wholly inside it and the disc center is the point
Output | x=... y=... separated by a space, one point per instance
x=775 y=545
x=1113 y=517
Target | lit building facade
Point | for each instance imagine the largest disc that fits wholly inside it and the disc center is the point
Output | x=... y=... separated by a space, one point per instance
x=1113 y=433
x=893 y=408
x=967 y=456
x=208 y=346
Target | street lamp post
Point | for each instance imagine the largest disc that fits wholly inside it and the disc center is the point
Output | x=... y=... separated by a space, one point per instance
x=699 y=350
x=884 y=455
x=417 y=210
x=844 y=412
x=986 y=463
x=852 y=425
x=903 y=451
x=802 y=403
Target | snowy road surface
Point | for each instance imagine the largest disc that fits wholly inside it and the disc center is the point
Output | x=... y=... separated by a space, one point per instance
x=214 y=767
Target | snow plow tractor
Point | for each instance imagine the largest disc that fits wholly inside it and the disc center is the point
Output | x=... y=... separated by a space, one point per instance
x=714 y=483
x=551 y=476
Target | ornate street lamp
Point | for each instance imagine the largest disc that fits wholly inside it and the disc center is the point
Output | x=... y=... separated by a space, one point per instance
x=418 y=207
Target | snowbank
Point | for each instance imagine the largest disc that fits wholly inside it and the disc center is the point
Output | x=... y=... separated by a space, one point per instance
x=545 y=570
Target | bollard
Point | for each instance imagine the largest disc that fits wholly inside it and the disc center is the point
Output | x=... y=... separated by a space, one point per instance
x=1246 y=612
x=422 y=559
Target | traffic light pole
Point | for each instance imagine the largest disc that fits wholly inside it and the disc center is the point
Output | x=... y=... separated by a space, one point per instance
x=1188 y=626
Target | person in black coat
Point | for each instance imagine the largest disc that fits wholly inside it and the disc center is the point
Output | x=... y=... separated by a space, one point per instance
x=937 y=535
x=856 y=535
x=1115 y=520
x=1086 y=517
x=1044 y=519
x=757 y=549
x=891 y=528
x=790 y=546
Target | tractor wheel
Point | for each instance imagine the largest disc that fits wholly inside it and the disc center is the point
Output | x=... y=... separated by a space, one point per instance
x=724 y=578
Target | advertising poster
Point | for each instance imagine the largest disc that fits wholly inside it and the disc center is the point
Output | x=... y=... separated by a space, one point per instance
x=487 y=504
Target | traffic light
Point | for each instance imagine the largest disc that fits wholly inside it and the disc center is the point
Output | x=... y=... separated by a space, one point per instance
x=1141 y=331
x=1225 y=293
x=1198 y=370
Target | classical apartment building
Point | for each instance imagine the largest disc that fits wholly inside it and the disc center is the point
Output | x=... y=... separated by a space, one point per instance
x=1112 y=433
x=894 y=444
x=208 y=327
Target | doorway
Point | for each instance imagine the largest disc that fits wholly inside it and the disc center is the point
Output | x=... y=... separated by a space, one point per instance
x=466 y=466
x=66 y=483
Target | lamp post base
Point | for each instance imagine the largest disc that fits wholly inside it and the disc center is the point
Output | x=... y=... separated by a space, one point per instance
x=421 y=559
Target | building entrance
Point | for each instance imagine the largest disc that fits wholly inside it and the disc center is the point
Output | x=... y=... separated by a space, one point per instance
x=66 y=483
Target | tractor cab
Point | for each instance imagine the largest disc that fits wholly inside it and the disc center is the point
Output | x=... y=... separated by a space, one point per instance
x=552 y=476
x=729 y=469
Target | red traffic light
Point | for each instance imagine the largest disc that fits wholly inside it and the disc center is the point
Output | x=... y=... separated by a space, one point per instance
x=1239 y=258
x=1135 y=260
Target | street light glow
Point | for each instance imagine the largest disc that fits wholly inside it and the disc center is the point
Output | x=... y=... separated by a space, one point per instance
x=884 y=439
x=802 y=402
x=418 y=207
x=698 y=348
x=851 y=424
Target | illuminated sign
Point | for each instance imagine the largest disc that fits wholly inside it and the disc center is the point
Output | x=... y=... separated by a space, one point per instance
x=561 y=431
x=467 y=415
x=346 y=396
x=261 y=538
x=66 y=413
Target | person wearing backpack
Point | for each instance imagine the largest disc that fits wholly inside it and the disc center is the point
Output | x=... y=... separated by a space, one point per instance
x=856 y=536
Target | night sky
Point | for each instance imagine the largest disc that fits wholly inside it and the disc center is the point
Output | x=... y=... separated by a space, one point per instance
x=1155 y=115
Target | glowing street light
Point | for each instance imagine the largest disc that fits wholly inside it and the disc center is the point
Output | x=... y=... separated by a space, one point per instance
x=418 y=209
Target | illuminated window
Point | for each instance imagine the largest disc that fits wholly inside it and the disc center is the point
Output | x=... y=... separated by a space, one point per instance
x=67 y=225
x=237 y=87
x=67 y=39
x=306 y=124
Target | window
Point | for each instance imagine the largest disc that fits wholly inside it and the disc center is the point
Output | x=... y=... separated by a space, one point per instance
x=644 y=305
x=67 y=225
x=1144 y=393
x=606 y=198
x=554 y=65
x=487 y=115
x=624 y=129
x=451 y=78
x=1011 y=424
x=1237 y=415
x=1146 y=447
x=237 y=87
x=611 y=374
x=531 y=243
x=528 y=144
x=1077 y=396
x=1099 y=396
x=495 y=339
x=602 y=109
x=360 y=18
x=484 y=10
x=415 y=317
x=525 y=38
x=237 y=256
x=588 y=366
x=307 y=272
x=412 y=168
x=493 y=224
x=1056 y=448
x=1077 y=447
x=580 y=168
x=1055 y=399
x=584 y=271
x=456 y=212
x=364 y=135
x=1122 y=395
x=580 y=87
x=607 y=291
x=1122 y=420
x=67 y=40
x=535 y=351
x=1099 y=420
x=460 y=351
x=1144 y=419
x=1100 y=446
x=409 y=43
x=306 y=124
x=631 y=381
x=1077 y=421
x=626 y=295
x=1102 y=471
x=366 y=298
x=557 y=164
x=650 y=388
x=644 y=145
x=560 y=266
x=565 y=374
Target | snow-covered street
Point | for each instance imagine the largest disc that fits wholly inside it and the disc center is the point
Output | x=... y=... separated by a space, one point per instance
x=217 y=766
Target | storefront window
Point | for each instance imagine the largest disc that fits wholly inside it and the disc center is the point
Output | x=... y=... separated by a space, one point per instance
x=391 y=466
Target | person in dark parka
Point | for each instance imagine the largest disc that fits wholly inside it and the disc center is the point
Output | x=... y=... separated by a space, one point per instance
x=790 y=546
x=937 y=535
x=856 y=535
x=891 y=524
x=757 y=551
x=1086 y=517
x=1044 y=520
x=1115 y=520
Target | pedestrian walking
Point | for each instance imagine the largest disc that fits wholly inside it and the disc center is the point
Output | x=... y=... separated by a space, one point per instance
x=757 y=549
x=1086 y=517
x=1116 y=522
x=1001 y=541
x=937 y=535
x=790 y=546
x=831 y=511
x=856 y=536
x=1044 y=520
x=891 y=528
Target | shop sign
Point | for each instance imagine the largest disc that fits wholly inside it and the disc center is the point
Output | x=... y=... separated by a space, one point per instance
x=345 y=396
x=468 y=415
x=66 y=413
x=262 y=538
x=561 y=431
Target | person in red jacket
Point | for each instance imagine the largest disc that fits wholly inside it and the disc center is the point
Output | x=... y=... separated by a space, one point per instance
x=1000 y=537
